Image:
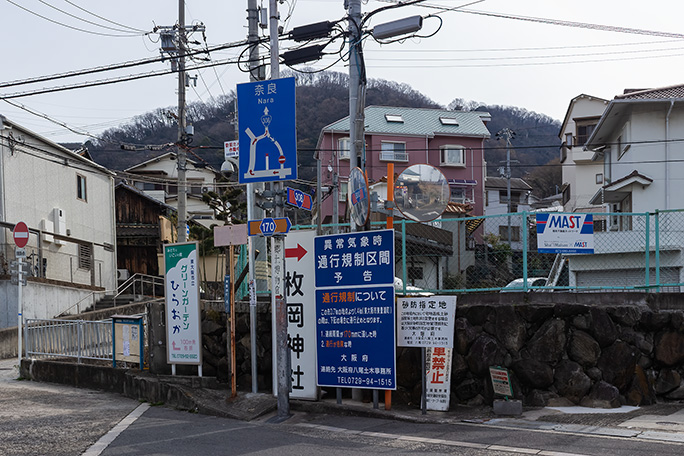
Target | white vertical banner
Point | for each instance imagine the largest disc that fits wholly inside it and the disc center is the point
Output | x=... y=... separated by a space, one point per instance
x=183 y=325
x=438 y=387
x=301 y=312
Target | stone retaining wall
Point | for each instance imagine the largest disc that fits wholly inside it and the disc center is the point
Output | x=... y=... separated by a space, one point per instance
x=598 y=350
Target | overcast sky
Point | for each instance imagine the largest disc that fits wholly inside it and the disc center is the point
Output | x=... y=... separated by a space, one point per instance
x=492 y=59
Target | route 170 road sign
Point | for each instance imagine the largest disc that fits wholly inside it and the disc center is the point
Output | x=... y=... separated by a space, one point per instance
x=269 y=226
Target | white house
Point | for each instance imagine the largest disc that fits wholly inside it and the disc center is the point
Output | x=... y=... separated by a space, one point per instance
x=582 y=176
x=158 y=178
x=67 y=201
x=637 y=142
x=496 y=203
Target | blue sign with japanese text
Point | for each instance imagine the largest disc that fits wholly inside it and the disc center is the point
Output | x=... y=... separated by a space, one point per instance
x=268 y=134
x=362 y=258
x=355 y=333
x=355 y=310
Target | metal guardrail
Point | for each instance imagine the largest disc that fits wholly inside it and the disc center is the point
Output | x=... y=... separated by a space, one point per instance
x=78 y=339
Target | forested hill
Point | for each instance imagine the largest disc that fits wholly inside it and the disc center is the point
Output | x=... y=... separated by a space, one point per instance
x=322 y=99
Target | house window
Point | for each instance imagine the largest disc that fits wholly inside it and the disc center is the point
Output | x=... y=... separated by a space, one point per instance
x=343 y=148
x=396 y=118
x=585 y=127
x=393 y=151
x=81 y=188
x=452 y=155
x=515 y=198
x=458 y=195
x=599 y=178
x=344 y=188
x=515 y=233
x=85 y=256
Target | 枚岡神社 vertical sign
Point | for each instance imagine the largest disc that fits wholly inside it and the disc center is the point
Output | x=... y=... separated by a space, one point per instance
x=301 y=312
x=183 y=326
x=426 y=321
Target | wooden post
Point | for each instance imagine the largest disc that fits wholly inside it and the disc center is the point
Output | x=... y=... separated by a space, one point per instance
x=233 y=376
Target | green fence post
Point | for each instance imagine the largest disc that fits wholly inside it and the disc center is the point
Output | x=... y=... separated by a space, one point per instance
x=648 y=252
x=657 y=249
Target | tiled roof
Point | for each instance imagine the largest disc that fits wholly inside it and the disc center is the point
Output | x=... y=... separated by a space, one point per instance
x=676 y=91
x=420 y=121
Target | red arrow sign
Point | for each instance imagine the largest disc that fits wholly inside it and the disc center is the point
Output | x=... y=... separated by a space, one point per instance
x=297 y=252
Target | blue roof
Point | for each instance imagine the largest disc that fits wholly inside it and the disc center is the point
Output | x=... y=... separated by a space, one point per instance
x=419 y=121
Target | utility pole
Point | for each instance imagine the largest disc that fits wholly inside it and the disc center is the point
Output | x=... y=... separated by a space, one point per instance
x=507 y=133
x=357 y=82
x=282 y=349
x=181 y=154
x=252 y=39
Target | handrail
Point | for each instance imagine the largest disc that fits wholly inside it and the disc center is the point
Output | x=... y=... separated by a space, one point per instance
x=88 y=296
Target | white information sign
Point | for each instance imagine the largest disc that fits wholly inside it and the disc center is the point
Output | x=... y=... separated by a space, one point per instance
x=301 y=312
x=183 y=326
x=426 y=321
x=438 y=387
x=565 y=233
x=231 y=149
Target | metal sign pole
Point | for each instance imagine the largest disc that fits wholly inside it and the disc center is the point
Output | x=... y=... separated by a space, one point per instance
x=233 y=363
x=20 y=307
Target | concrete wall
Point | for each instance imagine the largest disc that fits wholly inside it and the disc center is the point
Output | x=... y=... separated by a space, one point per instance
x=43 y=300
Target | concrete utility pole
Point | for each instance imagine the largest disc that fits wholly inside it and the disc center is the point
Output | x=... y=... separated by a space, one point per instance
x=181 y=154
x=508 y=134
x=282 y=350
x=252 y=38
x=356 y=86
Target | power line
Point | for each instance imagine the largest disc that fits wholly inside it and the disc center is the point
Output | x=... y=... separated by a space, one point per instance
x=87 y=21
x=129 y=35
x=118 y=66
x=103 y=18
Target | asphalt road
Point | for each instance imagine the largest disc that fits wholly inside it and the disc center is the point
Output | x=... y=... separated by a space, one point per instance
x=44 y=419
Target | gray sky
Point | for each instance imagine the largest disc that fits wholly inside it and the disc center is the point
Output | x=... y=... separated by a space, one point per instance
x=496 y=60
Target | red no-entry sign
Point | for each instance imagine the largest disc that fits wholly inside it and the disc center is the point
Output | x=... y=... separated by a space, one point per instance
x=21 y=234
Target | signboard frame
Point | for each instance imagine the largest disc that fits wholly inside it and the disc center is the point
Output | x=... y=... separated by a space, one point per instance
x=560 y=232
x=178 y=259
x=355 y=310
x=266 y=111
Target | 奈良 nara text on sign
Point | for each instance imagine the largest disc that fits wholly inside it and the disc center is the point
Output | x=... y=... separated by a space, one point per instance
x=355 y=328
x=268 y=134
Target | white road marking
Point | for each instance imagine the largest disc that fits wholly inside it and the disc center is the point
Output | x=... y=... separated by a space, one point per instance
x=98 y=447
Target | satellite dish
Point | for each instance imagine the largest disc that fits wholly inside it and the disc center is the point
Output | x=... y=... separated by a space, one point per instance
x=421 y=193
x=359 y=202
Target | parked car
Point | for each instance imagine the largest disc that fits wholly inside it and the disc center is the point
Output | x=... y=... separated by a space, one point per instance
x=517 y=284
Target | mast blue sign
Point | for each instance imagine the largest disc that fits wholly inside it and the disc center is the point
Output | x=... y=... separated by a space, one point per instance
x=268 y=134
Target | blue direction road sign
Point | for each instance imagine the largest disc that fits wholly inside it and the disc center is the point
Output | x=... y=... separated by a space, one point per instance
x=362 y=258
x=269 y=226
x=298 y=198
x=268 y=135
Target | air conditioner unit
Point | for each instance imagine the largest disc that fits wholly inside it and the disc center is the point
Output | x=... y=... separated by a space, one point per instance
x=205 y=189
x=122 y=274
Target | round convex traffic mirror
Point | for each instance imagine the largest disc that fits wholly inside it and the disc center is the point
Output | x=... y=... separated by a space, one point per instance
x=359 y=202
x=421 y=193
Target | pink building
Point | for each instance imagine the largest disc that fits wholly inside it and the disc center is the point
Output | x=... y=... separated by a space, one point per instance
x=449 y=140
